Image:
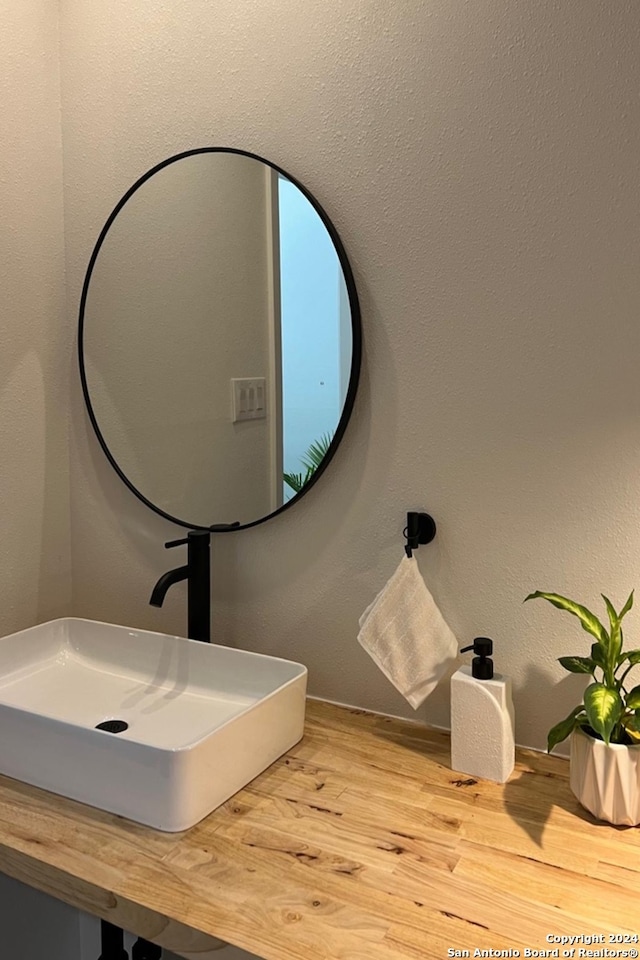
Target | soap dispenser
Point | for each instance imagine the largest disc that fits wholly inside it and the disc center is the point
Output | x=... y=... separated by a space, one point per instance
x=482 y=718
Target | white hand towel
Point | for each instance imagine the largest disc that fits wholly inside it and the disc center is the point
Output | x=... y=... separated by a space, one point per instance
x=406 y=635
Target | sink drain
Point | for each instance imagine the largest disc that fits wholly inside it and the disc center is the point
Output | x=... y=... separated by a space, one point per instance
x=112 y=726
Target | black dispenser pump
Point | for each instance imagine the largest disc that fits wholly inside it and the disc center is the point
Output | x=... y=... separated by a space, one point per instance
x=482 y=664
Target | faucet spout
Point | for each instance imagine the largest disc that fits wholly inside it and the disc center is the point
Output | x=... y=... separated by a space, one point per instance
x=167 y=580
x=197 y=573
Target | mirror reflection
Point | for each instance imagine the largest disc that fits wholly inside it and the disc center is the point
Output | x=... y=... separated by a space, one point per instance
x=217 y=339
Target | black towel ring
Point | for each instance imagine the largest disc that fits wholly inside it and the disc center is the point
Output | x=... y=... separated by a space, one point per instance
x=420 y=528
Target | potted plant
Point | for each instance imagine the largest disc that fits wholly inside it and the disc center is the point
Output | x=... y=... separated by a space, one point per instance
x=605 y=727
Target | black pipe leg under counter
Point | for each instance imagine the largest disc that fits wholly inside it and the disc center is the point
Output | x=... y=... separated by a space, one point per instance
x=143 y=950
x=112 y=939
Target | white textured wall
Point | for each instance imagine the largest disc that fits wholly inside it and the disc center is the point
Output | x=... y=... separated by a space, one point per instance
x=35 y=360
x=480 y=162
x=35 y=340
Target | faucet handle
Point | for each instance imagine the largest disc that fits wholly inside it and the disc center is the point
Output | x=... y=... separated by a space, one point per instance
x=176 y=543
x=196 y=535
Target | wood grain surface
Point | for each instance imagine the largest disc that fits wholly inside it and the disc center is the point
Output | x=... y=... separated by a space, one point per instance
x=359 y=844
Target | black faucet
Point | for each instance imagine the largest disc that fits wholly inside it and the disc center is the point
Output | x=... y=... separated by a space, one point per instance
x=197 y=572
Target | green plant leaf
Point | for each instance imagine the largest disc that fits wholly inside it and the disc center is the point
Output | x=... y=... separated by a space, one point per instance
x=604 y=708
x=294 y=480
x=615 y=634
x=311 y=460
x=613 y=616
x=632 y=726
x=597 y=654
x=562 y=730
x=578 y=664
x=633 y=699
x=316 y=453
x=633 y=656
x=627 y=606
x=588 y=620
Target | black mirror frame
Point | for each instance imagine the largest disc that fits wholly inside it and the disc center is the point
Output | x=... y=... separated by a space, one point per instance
x=356 y=330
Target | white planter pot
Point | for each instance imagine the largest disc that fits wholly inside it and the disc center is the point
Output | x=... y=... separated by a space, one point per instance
x=606 y=778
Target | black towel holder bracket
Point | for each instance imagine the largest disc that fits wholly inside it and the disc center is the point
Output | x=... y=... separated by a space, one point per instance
x=420 y=528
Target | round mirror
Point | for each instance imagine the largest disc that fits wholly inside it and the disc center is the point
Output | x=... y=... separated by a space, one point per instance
x=219 y=339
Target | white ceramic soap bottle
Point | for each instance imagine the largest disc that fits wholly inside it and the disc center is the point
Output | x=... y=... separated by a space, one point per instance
x=482 y=718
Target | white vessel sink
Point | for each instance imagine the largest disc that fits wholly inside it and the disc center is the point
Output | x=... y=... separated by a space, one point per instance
x=203 y=720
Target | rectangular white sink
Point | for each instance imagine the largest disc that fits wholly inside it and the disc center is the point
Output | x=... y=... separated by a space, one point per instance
x=202 y=720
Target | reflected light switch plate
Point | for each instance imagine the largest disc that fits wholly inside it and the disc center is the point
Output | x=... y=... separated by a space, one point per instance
x=248 y=398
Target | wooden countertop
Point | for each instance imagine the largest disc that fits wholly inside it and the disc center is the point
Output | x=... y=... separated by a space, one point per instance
x=359 y=844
